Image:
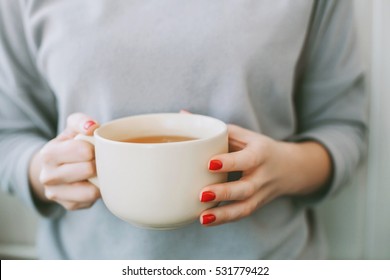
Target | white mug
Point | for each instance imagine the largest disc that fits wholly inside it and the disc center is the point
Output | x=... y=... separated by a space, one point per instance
x=157 y=185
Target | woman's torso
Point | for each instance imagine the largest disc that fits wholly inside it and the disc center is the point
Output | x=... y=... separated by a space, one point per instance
x=234 y=60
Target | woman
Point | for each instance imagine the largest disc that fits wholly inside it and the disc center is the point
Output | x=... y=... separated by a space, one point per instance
x=285 y=73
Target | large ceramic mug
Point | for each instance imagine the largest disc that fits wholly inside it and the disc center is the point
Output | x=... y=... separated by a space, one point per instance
x=157 y=185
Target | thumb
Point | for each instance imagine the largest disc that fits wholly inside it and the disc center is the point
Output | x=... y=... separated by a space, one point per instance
x=79 y=123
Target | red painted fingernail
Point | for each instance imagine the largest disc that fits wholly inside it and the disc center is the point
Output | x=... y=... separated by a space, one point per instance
x=207 y=196
x=208 y=219
x=215 y=164
x=88 y=125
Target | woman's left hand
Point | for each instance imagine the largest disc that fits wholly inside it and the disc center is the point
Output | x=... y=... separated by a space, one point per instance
x=270 y=169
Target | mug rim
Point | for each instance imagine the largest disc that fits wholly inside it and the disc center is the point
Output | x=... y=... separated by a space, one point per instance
x=221 y=124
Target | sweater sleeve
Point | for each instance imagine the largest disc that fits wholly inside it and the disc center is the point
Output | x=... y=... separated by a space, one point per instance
x=330 y=96
x=27 y=107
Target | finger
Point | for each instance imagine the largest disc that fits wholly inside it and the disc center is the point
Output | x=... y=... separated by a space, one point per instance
x=234 y=211
x=68 y=173
x=80 y=192
x=230 y=191
x=247 y=150
x=236 y=161
x=72 y=205
x=240 y=138
x=70 y=151
x=80 y=123
x=240 y=134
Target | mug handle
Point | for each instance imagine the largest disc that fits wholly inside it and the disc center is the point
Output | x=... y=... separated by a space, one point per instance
x=89 y=139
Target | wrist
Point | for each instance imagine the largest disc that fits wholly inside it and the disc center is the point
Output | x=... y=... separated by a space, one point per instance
x=309 y=167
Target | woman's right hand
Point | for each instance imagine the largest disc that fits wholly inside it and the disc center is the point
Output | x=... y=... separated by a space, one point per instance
x=59 y=172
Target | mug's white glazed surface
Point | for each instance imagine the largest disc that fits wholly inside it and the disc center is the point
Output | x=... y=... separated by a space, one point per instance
x=157 y=185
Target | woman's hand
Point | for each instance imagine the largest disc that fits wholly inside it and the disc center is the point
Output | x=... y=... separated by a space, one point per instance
x=270 y=169
x=59 y=171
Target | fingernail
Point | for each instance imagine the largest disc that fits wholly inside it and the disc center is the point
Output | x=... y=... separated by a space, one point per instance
x=207 y=196
x=88 y=125
x=215 y=164
x=208 y=219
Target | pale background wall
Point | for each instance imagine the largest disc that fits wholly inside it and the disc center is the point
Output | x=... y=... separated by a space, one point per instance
x=357 y=222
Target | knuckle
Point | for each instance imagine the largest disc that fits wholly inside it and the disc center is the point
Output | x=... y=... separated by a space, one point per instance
x=252 y=159
x=47 y=178
x=92 y=195
x=96 y=193
x=86 y=151
x=248 y=209
x=49 y=194
x=89 y=152
x=42 y=177
x=226 y=194
x=88 y=169
x=249 y=188
x=233 y=163
x=46 y=153
x=70 y=206
x=265 y=145
x=252 y=155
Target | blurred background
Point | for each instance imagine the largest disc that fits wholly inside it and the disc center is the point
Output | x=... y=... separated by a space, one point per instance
x=357 y=221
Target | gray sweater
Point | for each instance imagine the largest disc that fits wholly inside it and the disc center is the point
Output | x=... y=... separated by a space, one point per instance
x=287 y=69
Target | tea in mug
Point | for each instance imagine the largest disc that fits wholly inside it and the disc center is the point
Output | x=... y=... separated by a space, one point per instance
x=158 y=139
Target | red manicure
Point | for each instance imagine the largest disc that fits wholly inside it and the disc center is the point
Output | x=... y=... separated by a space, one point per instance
x=88 y=125
x=215 y=164
x=207 y=196
x=208 y=219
